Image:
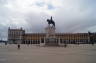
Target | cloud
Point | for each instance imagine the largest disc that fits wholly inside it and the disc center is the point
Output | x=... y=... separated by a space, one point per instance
x=69 y=15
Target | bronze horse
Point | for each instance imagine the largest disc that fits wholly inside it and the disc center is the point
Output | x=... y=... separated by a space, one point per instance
x=50 y=21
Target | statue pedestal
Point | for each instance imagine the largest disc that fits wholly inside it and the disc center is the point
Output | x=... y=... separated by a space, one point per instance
x=50 y=39
x=50 y=31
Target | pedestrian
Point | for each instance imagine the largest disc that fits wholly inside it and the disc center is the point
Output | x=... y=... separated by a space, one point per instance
x=65 y=45
x=18 y=46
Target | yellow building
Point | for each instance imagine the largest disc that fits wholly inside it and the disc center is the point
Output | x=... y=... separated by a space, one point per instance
x=19 y=36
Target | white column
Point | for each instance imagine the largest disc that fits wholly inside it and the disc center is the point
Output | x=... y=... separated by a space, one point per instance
x=26 y=41
x=59 y=41
x=40 y=42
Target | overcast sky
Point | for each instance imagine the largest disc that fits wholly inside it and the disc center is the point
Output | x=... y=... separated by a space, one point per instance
x=69 y=15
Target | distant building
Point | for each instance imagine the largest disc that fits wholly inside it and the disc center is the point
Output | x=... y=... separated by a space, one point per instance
x=19 y=36
x=16 y=35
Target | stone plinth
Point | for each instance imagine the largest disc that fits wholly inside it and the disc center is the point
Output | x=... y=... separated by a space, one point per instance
x=50 y=31
x=50 y=39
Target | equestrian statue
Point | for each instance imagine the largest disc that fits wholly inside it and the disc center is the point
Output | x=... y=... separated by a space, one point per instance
x=50 y=21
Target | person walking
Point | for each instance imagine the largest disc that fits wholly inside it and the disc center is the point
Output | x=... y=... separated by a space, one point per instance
x=18 y=46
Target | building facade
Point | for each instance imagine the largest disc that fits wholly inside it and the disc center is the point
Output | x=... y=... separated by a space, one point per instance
x=20 y=36
x=16 y=35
